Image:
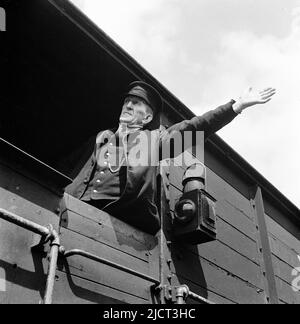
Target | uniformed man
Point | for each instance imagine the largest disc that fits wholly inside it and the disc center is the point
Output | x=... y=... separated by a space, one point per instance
x=113 y=183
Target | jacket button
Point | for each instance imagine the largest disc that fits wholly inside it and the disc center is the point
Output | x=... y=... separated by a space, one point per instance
x=86 y=181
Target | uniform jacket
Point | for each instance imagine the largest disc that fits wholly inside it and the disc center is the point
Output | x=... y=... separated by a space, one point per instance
x=137 y=204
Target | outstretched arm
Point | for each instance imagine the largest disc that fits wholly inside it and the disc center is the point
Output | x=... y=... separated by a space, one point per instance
x=252 y=97
x=214 y=120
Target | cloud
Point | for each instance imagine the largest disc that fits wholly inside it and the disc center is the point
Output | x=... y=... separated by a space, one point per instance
x=266 y=136
x=145 y=29
x=121 y=19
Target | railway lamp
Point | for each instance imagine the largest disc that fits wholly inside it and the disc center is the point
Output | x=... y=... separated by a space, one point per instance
x=195 y=215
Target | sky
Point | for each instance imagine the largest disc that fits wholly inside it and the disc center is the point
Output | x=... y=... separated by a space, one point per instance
x=207 y=52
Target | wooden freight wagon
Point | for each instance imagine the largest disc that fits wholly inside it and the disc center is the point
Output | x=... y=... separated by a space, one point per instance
x=59 y=72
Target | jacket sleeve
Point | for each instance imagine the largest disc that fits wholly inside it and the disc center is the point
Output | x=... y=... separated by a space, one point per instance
x=209 y=123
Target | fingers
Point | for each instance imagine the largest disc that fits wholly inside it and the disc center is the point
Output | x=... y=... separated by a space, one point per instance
x=268 y=95
x=266 y=99
x=267 y=91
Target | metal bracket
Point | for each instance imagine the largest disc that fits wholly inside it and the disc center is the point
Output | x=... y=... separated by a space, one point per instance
x=170 y=294
x=39 y=242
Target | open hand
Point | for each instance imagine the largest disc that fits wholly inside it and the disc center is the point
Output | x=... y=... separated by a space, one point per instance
x=252 y=97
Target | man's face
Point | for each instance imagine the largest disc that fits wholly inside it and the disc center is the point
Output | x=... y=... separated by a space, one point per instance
x=136 y=111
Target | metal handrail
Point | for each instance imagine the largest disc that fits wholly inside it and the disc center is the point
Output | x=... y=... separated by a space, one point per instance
x=183 y=292
x=49 y=234
x=24 y=223
x=96 y=258
x=199 y=298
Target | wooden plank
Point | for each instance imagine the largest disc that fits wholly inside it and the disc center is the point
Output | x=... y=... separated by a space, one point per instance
x=116 y=240
x=282 y=270
x=104 y=234
x=203 y=292
x=16 y=244
x=27 y=209
x=218 y=281
x=236 y=218
x=23 y=271
x=283 y=252
x=222 y=190
x=23 y=284
x=72 y=240
x=219 y=256
x=117 y=225
x=225 y=258
x=286 y=293
x=226 y=170
x=28 y=199
x=104 y=274
x=235 y=240
x=23 y=288
x=75 y=290
x=283 y=235
x=290 y=222
x=109 y=277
